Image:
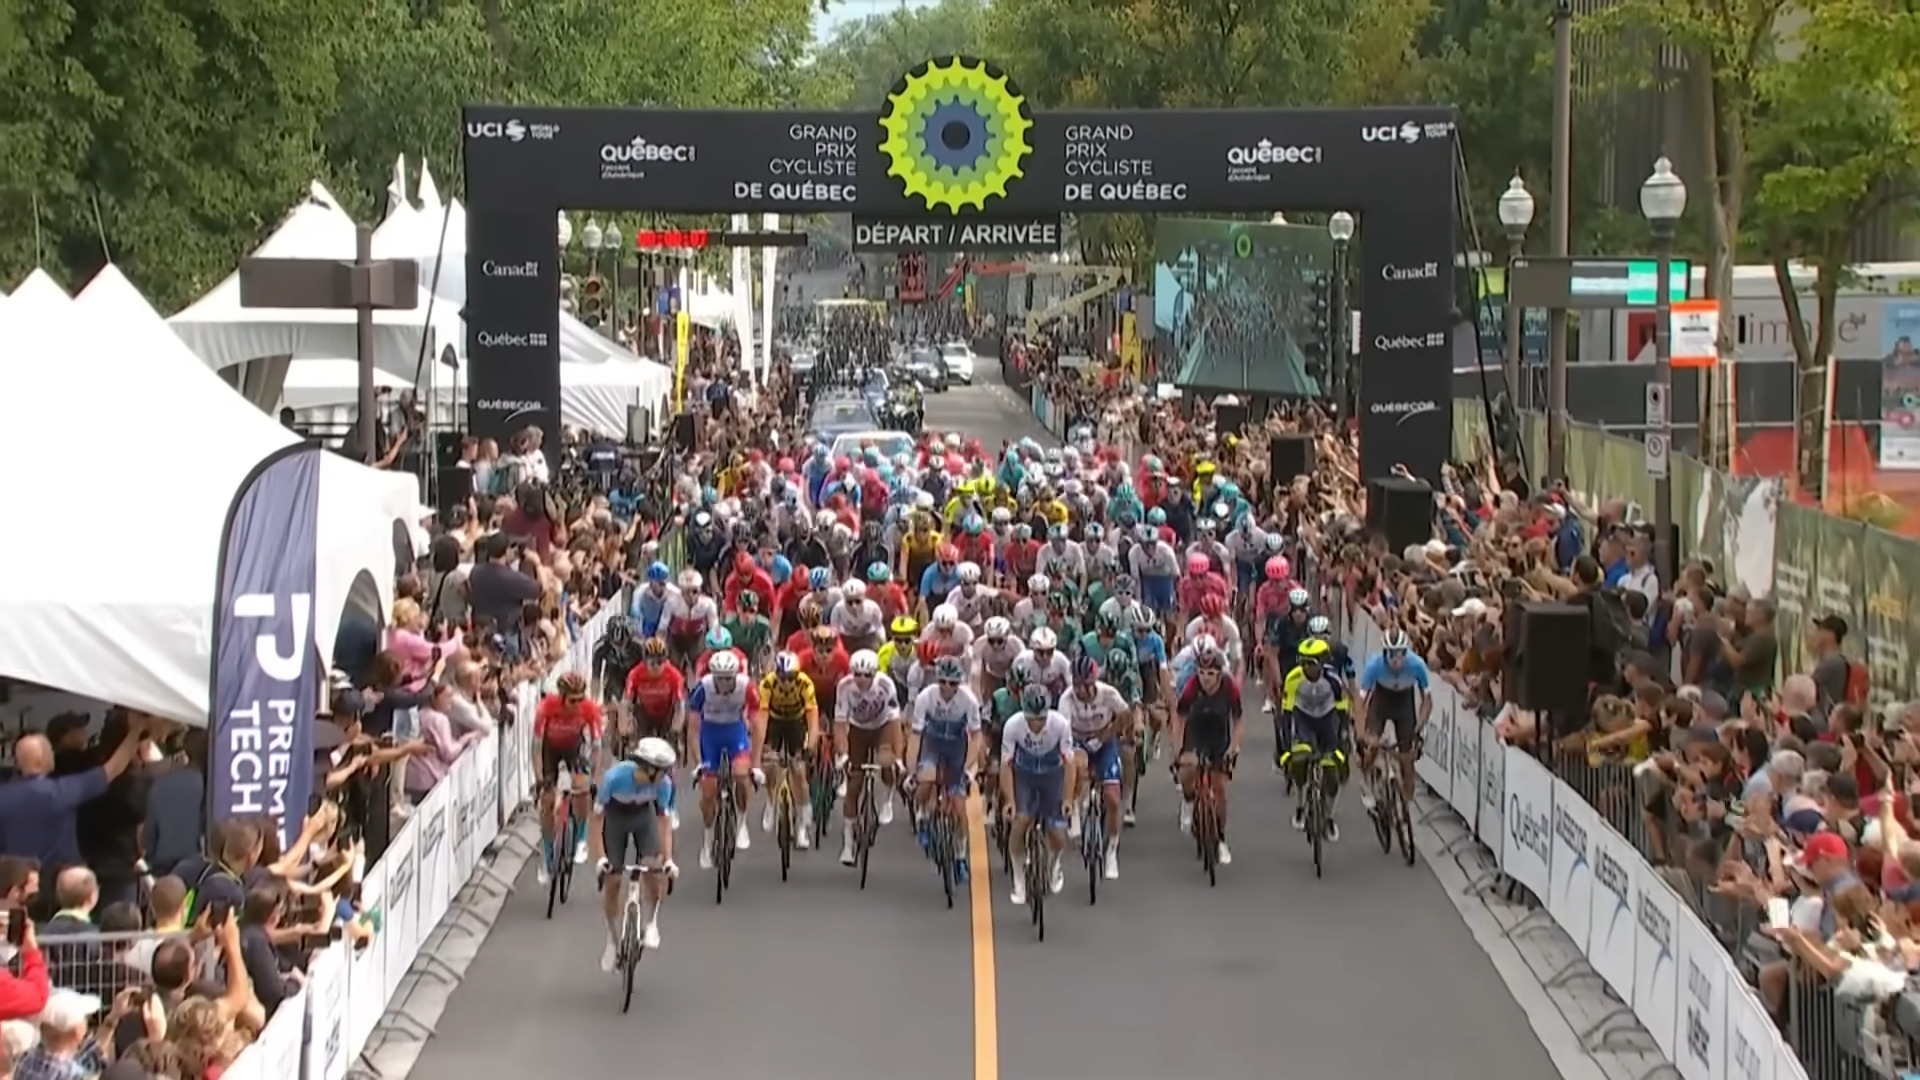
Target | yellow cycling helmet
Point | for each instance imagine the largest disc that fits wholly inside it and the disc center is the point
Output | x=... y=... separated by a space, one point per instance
x=906 y=626
x=1314 y=649
x=1205 y=468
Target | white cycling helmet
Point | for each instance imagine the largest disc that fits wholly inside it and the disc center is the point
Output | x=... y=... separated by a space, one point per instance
x=923 y=501
x=1002 y=515
x=724 y=664
x=866 y=662
x=654 y=751
x=1141 y=618
x=854 y=590
x=945 y=617
x=1204 y=645
x=1394 y=641
x=1039 y=584
x=1043 y=640
x=1319 y=626
x=998 y=627
x=1298 y=598
x=689 y=579
x=969 y=573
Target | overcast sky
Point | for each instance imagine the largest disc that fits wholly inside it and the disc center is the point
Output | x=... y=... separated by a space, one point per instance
x=847 y=10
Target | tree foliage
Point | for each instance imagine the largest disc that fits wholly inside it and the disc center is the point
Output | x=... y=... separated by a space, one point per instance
x=858 y=65
x=171 y=135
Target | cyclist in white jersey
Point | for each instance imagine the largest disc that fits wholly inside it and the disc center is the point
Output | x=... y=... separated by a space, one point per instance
x=1097 y=714
x=1214 y=622
x=993 y=655
x=857 y=619
x=944 y=737
x=1044 y=664
x=970 y=598
x=1035 y=746
x=866 y=724
x=1060 y=558
x=1031 y=610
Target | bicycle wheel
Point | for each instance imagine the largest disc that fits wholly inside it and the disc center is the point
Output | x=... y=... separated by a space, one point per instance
x=1403 y=824
x=558 y=857
x=943 y=852
x=869 y=824
x=1093 y=844
x=784 y=825
x=1382 y=812
x=629 y=953
x=723 y=828
x=1316 y=820
x=1206 y=833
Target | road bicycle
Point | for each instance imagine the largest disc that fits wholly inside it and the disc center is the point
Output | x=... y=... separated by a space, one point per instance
x=786 y=814
x=1319 y=815
x=946 y=838
x=1093 y=838
x=1392 y=817
x=1207 y=826
x=560 y=843
x=1039 y=874
x=726 y=825
x=866 y=828
x=628 y=946
x=824 y=782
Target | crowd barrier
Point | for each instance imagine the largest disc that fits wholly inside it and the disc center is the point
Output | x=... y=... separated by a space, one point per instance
x=321 y=1032
x=1640 y=936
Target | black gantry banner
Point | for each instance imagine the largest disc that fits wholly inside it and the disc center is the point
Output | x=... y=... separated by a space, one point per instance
x=512 y=314
x=1406 y=334
x=997 y=234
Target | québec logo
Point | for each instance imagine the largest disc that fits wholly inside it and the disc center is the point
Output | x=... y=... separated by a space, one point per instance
x=502 y=339
x=628 y=160
x=1410 y=341
x=1404 y=410
x=1249 y=162
x=515 y=408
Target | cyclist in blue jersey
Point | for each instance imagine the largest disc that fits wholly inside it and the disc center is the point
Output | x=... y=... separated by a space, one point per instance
x=635 y=806
x=650 y=601
x=1393 y=685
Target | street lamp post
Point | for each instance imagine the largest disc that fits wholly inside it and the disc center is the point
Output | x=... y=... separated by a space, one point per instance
x=1340 y=227
x=1663 y=198
x=564 y=234
x=615 y=244
x=1516 y=213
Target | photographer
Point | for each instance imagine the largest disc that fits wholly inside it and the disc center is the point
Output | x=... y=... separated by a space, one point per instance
x=22 y=996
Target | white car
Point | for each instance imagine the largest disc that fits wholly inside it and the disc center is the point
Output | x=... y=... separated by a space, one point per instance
x=958 y=357
x=891 y=444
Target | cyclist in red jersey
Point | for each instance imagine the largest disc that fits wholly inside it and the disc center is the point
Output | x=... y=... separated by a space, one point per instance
x=656 y=696
x=565 y=727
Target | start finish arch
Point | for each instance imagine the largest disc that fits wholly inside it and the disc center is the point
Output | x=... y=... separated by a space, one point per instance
x=957 y=139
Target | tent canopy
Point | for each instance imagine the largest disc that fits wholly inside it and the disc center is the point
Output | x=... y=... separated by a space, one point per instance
x=98 y=610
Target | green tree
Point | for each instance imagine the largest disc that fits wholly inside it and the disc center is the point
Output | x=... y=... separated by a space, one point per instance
x=1836 y=142
x=859 y=63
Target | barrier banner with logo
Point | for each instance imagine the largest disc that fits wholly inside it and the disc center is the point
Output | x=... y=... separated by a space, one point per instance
x=1612 y=928
x=366 y=973
x=279 y=1049
x=513 y=347
x=1700 y=1026
x=435 y=869
x=1435 y=764
x=1838 y=585
x=1796 y=541
x=1464 y=794
x=1527 y=819
x=327 y=1004
x=1656 y=965
x=1755 y=1050
x=467 y=798
x=403 y=873
x=1489 y=818
x=266 y=672
x=1888 y=565
x=1569 y=895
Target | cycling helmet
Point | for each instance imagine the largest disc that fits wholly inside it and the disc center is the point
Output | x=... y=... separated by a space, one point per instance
x=998 y=628
x=1017 y=677
x=1156 y=517
x=1106 y=622
x=724 y=665
x=1039 y=584
x=1213 y=605
x=819 y=578
x=1145 y=534
x=864 y=664
x=1086 y=671
x=743 y=562
x=1315 y=650
x=572 y=685
x=1118 y=659
x=945 y=617
x=809 y=614
x=947 y=554
x=972 y=524
x=1298 y=598
x=1023 y=532
x=786 y=665
x=1057 y=532
x=1319 y=626
x=1002 y=516
x=822 y=636
x=969 y=573
x=1277 y=568
x=1273 y=542
x=653 y=649
x=658 y=572
x=1095 y=530
x=905 y=626
x=689 y=579
x=1141 y=618
x=1197 y=564
x=1207 y=525
x=1204 y=644
x=879 y=573
x=1043 y=640
x=1034 y=700
x=854 y=591
x=749 y=600
x=719 y=638
x=1395 y=641
x=949 y=669
x=654 y=751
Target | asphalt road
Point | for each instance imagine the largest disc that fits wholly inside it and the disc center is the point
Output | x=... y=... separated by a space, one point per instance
x=1366 y=973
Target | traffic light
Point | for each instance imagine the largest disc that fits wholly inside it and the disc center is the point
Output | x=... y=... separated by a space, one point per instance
x=1318 y=346
x=593 y=301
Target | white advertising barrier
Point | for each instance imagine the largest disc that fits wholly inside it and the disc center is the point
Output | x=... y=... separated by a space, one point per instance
x=327 y=1006
x=1435 y=766
x=1632 y=927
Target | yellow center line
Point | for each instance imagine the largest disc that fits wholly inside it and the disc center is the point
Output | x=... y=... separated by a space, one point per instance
x=986 y=1004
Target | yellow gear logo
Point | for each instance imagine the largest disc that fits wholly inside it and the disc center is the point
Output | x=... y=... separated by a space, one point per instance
x=955 y=133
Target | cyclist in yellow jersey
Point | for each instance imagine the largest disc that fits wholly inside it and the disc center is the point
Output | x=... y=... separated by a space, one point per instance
x=1314 y=699
x=790 y=715
x=917 y=550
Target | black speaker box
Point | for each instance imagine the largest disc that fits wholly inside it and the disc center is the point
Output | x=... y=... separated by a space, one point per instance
x=1546 y=655
x=1229 y=419
x=1289 y=456
x=446 y=448
x=1401 y=510
x=683 y=433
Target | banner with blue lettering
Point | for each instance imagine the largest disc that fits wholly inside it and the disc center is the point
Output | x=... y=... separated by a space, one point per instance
x=266 y=674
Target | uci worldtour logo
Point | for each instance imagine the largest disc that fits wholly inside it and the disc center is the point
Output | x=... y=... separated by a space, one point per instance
x=1403 y=411
x=629 y=160
x=1407 y=133
x=1399 y=342
x=514 y=130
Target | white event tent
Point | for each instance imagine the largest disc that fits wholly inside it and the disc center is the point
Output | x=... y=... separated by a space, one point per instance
x=599 y=380
x=128 y=617
x=226 y=335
